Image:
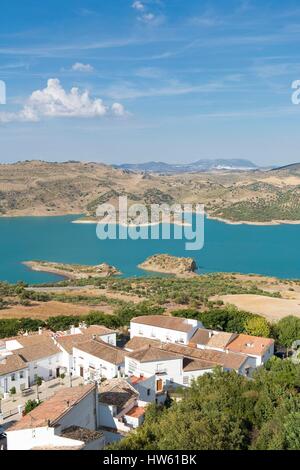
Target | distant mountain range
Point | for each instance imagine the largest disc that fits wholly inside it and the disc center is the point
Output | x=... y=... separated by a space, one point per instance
x=199 y=166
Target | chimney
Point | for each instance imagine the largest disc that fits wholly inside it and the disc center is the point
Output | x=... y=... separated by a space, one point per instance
x=40 y=330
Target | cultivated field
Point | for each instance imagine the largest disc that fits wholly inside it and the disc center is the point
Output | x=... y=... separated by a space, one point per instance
x=272 y=309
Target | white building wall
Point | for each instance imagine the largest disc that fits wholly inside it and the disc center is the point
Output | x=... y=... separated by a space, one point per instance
x=106 y=415
x=27 y=439
x=18 y=379
x=189 y=376
x=111 y=338
x=161 y=334
x=44 y=368
x=170 y=370
x=146 y=389
x=84 y=414
x=93 y=367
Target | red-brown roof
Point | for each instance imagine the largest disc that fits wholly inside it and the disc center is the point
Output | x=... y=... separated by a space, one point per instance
x=67 y=342
x=11 y=363
x=161 y=321
x=50 y=411
x=102 y=350
x=136 y=412
x=251 y=345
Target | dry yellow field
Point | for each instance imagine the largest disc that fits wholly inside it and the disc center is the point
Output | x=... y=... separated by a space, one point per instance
x=44 y=310
x=271 y=308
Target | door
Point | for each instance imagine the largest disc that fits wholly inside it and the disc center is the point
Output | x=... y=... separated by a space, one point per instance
x=159 y=385
x=81 y=371
x=57 y=372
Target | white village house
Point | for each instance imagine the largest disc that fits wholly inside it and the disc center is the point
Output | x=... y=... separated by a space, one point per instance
x=94 y=360
x=163 y=328
x=120 y=408
x=67 y=420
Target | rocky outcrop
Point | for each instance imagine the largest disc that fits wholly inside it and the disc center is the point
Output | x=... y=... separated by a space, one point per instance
x=169 y=265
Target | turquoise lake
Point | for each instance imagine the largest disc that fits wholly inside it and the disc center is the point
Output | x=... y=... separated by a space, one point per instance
x=270 y=250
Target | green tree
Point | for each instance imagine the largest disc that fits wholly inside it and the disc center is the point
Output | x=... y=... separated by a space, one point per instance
x=288 y=330
x=257 y=326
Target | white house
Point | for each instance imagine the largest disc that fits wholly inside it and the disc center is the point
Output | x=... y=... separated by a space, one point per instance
x=163 y=328
x=95 y=359
x=61 y=422
x=257 y=349
x=195 y=362
x=119 y=406
x=150 y=389
x=42 y=356
x=150 y=361
x=67 y=340
x=212 y=339
x=13 y=374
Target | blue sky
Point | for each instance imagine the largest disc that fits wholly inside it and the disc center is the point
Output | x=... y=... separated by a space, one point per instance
x=169 y=80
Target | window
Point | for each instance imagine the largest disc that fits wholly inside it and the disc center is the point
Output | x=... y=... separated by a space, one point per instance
x=131 y=367
x=22 y=375
x=13 y=377
x=148 y=392
x=50 y=373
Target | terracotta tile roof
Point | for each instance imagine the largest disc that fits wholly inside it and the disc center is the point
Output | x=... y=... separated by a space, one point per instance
x=161 y=321
x=102 y=350
x=38 y=351
x=190 y=364
x=214 y=339
x=97 y=330
x=32 y=340
x=201 y=336
x=135 y=380
x=229 y=360
x=34 y=347
x=152 y=354
x=253 y=345
x=11 y=363
x=116 y=392
x=136 y=412
x=209 y=358
x=50 y=411
x=69 y=341
x=81 y=434
x=138 y=342
x=221 y=339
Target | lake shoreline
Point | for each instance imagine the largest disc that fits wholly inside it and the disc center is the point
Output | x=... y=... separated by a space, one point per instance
x=86 y=221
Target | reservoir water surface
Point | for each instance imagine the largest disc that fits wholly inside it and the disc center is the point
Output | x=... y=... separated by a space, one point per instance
x=270 y=250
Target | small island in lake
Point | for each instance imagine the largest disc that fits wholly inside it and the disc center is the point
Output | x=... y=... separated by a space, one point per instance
x=73 y=271
x=169 y=265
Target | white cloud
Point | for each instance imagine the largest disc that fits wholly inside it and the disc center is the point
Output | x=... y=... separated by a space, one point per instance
x=53 y=101
x=147 y=17
x=137 y=5
x=118 y=109
x=79 y=67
